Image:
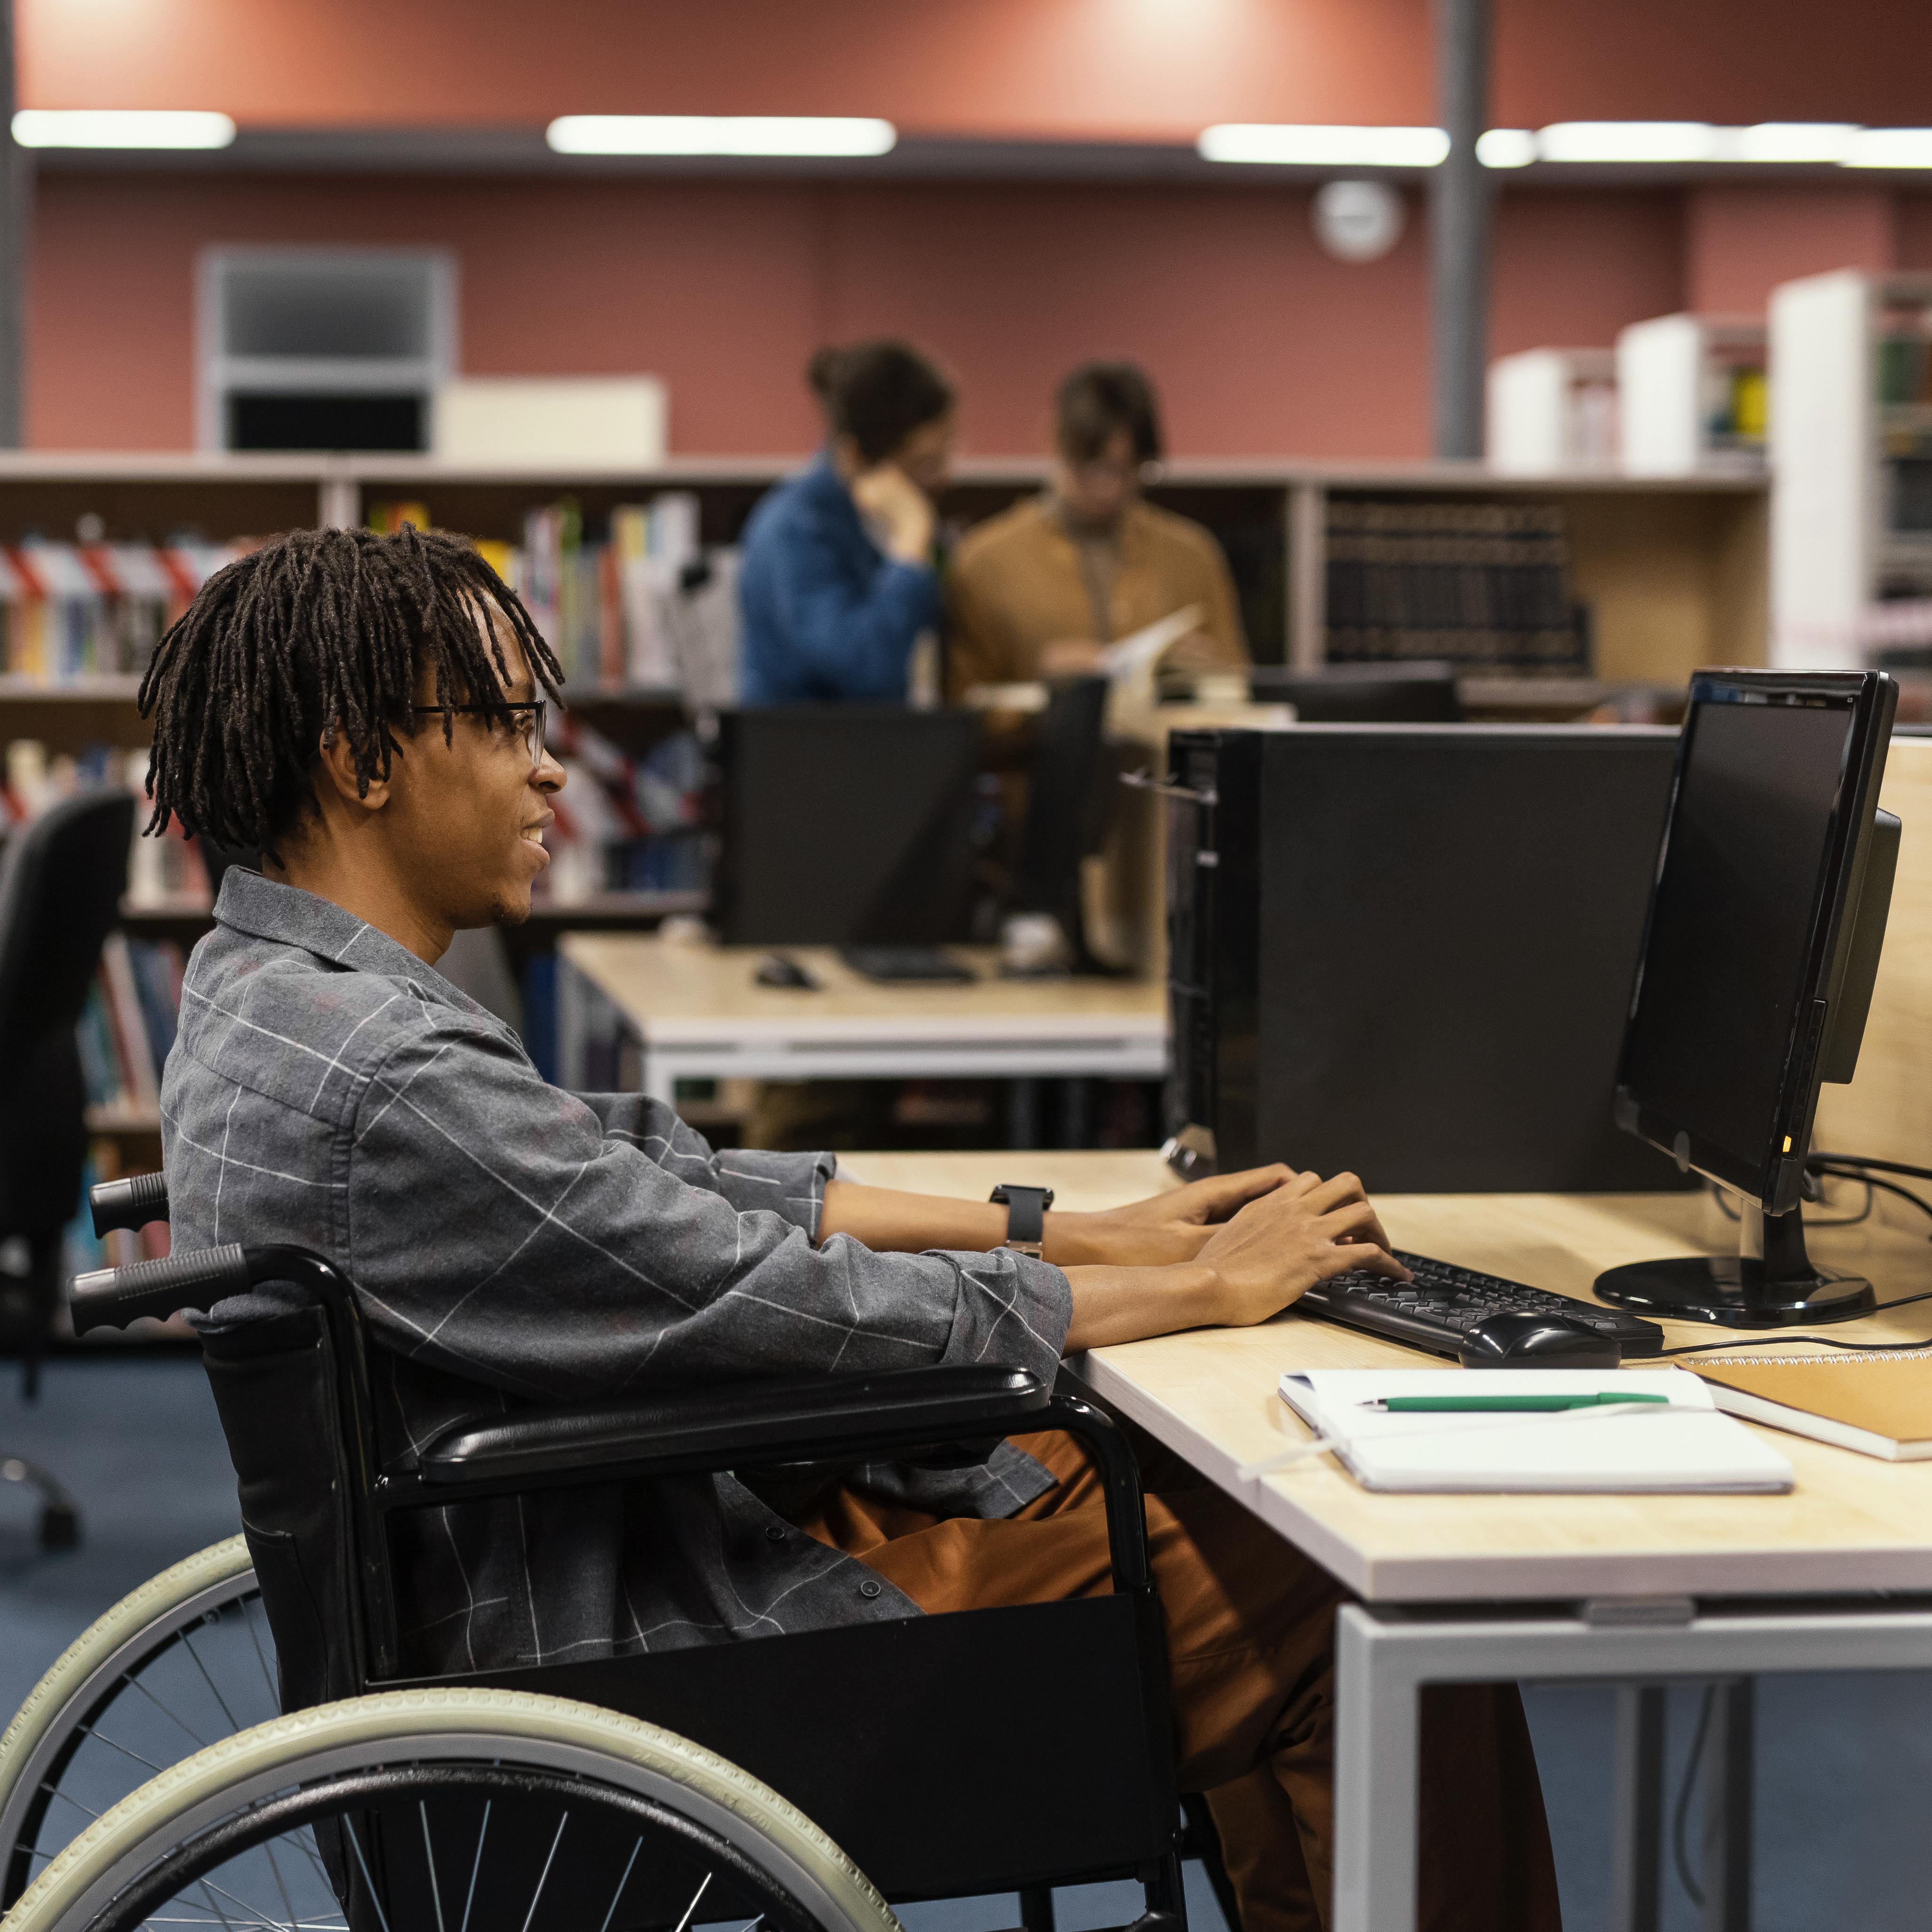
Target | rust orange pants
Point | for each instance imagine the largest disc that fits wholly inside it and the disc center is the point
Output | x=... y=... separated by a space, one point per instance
x=1250 y=1635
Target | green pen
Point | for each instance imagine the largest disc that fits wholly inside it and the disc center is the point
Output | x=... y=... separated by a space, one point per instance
x=1503 y=1405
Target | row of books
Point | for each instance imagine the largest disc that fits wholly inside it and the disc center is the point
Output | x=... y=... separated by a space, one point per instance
x=624 y=824
x=164 y=871
x=127 y=1027
x=645 y=606
x=70 y=611
x=1485 y=586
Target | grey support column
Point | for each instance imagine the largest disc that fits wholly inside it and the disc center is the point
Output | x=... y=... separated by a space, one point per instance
x=1727 y=1807
x=16 y=180
x=1636 y=1821
x=1460 y=228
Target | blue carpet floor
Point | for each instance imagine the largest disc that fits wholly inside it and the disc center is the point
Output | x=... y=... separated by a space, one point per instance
x=1842 y=1762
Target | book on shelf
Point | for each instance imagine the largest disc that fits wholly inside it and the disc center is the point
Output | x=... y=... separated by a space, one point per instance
x=645 y=606
x=624 y=824
x=1485 y=586
x=127 y=1027
x=74 y=611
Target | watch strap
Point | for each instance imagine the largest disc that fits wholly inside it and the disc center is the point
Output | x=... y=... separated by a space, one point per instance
x=1026 y=1216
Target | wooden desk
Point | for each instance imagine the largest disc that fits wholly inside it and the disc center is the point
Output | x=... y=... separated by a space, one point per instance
x=701 y=1014
x=1461 y=1587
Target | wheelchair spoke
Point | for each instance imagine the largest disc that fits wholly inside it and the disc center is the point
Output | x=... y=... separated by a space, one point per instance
x=87 y=1731
x=482 y=1832
x=704 y=1884
x=429 y=1856
x=626 y=1880
x=248 y=1608
x=544 y=1879
x=188 y=1643
x=382 y=1918
x=173 y=1717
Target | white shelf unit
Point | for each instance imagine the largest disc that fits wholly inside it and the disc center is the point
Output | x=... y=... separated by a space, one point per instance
x=1851 y=458
x=1692 y=395
x=1552 y=410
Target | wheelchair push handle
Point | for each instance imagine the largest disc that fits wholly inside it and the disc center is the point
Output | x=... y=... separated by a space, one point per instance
x=113 y=1298
x=132 y=1203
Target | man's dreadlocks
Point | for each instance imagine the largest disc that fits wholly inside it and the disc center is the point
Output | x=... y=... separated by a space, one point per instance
x=322 y=631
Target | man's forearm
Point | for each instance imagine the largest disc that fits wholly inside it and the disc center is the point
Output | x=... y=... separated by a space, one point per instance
x=891 y=1221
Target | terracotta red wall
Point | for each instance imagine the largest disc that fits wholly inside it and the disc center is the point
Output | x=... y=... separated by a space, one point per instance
x=1262 y=345
x=1087 y=68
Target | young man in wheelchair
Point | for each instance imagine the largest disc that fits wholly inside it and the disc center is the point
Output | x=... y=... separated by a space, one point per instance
x=369 y=712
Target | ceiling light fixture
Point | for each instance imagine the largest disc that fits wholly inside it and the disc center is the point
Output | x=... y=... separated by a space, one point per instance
x=1284 y=145
x=817 y=136
x=1789 y=141
x=1890 y=147
x=1506 y=147
x=1617 y=141
x=120 y=127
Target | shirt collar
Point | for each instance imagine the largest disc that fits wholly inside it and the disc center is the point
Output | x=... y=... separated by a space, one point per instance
x=287 y=915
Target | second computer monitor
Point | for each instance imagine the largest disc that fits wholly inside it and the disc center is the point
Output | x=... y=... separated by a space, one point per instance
x=848 y=824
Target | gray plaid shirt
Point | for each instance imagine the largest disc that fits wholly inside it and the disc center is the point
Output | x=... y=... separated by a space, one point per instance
x=512 y=1243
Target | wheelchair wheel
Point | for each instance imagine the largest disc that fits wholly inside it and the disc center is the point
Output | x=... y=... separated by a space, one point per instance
x=462 y=1811
x=181 y=1662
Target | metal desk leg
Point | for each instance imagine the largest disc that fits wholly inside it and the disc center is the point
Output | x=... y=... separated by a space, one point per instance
x=1727 y=1808
x=1636 y=1814
x=573 y=1026
x=1377 y=1725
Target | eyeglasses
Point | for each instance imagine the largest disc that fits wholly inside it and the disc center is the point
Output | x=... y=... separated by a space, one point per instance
x=527 y=719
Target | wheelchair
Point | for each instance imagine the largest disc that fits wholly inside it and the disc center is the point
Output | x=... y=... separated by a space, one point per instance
x=290 y=1771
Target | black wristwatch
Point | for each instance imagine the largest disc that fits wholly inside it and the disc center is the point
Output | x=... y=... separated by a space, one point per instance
x=1026 y=1217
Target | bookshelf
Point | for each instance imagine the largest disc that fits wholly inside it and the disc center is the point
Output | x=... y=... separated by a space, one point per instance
x=1851 y=433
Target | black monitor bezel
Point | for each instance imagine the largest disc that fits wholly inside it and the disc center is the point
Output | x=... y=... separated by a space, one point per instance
x=1774 y=1179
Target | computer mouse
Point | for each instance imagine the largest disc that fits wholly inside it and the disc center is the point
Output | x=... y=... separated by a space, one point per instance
x=775 y=970
x=1537 y=1342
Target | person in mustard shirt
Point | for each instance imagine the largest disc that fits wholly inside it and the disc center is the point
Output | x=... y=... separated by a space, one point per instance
x=1042 y=589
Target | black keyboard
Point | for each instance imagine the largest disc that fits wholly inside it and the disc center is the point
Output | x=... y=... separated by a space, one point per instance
x=889 y=963
x=1438 y=1308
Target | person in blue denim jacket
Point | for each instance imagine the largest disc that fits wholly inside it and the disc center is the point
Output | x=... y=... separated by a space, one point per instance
x=837 y=582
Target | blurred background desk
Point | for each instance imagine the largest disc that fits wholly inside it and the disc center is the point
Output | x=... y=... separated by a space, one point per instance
x=1835 y=1575
x=698 y=1013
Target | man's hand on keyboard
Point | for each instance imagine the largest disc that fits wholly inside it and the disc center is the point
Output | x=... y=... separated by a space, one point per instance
x=1303 y=1230
x=1165 y=1228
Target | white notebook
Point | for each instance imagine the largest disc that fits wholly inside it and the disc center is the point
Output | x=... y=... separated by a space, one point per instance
x=1685 y=1443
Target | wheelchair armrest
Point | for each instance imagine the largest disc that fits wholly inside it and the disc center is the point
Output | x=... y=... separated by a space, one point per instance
x=824 y=1417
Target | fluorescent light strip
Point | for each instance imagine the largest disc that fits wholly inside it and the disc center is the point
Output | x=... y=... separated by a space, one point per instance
x=1890 y=147
x=1613 y=141
x=767 y=134
x=1506 y=147
x=120 y=128
x=1283 y=145
x=1789 y=141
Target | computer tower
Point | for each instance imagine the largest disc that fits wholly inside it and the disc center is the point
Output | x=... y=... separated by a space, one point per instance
x=1408 y=951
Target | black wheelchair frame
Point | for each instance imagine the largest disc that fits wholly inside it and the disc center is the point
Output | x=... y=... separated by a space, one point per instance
x=884 y=1734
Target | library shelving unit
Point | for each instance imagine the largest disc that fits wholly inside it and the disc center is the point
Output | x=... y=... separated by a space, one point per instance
x=1851 y=435
x=1673 y=568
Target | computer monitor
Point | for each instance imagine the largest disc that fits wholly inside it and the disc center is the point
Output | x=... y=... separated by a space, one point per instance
x=845 y=824
x=1417 y=692
x=1761 y=944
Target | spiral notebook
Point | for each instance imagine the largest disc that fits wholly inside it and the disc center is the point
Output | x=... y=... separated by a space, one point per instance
x=1878 y=1404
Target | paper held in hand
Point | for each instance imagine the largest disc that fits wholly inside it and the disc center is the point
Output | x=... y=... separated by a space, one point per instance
x=1683 y=1443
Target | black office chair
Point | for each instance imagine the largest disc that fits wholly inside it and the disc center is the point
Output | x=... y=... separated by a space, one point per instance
x=884 y=1735
x=1420 y=693
x=60 y=891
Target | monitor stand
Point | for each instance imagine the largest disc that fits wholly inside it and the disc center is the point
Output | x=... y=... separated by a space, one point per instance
x=1770 y=1282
